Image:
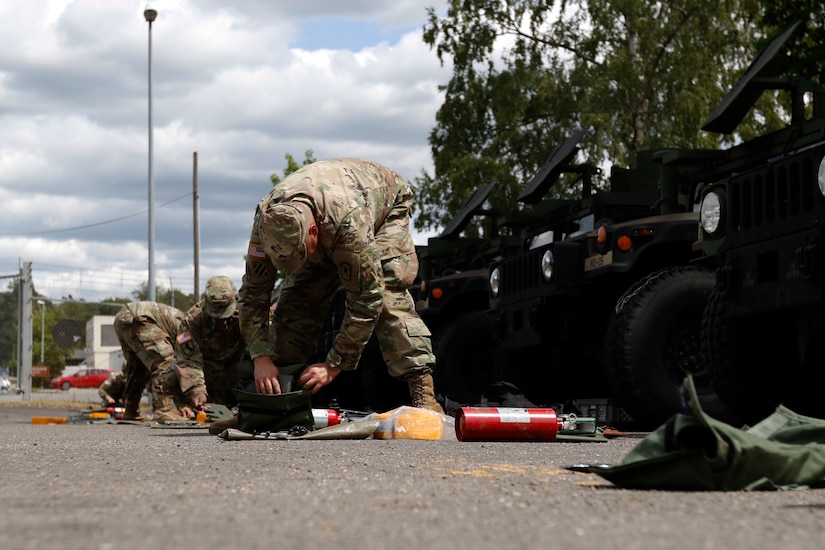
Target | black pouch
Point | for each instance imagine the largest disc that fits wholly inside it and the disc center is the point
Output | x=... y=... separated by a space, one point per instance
x=259 y=412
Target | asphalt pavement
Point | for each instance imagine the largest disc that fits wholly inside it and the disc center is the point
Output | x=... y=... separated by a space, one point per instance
x=121 y=487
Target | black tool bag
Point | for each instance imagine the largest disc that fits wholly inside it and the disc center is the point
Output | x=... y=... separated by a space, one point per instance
x=259 y=412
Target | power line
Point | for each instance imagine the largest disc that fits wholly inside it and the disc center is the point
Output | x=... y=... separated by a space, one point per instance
x=93 y=224
x=95 y=274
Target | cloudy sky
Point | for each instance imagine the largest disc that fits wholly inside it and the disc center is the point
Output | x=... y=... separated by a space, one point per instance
x=240 y=82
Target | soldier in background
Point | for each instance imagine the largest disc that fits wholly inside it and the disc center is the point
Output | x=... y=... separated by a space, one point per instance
x=209 y=349
x=113 y=390
x=146 y=331
x=332 y=223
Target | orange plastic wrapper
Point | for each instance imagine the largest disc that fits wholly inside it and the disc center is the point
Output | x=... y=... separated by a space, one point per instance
x=413 y=423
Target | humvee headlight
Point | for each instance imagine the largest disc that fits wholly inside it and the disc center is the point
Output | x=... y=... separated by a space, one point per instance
x=495 y=281
x=548 y=265
x=710 y=213
x=821 y=178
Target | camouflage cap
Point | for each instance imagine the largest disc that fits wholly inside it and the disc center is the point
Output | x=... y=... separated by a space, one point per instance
x=282 y=229
x=219 y=299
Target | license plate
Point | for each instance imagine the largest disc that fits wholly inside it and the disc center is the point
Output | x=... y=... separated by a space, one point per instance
x=595 y=262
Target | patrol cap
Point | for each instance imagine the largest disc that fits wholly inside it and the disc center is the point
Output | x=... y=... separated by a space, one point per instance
x=282 y=229
x=219 y=300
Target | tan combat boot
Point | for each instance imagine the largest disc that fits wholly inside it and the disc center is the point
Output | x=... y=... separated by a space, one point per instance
x=165 y=409
x=216 y=428
x=422 y=392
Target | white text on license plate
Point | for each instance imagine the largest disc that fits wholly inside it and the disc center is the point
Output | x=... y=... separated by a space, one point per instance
x=595 y=262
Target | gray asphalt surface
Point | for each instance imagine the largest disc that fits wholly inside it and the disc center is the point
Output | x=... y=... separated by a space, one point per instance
x=123 y=487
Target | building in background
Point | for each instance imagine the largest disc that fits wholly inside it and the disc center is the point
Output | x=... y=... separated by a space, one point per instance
x=102 y=345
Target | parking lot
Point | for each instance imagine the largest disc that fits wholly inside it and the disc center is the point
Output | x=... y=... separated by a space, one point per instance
x=123 y=486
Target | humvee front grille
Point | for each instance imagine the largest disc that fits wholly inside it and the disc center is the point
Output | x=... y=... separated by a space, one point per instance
x=521 y=272
x=776 y=198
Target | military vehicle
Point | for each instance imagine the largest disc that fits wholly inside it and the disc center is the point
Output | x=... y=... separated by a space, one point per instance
x=602 y=302
x=764 y=227
x=452 y=297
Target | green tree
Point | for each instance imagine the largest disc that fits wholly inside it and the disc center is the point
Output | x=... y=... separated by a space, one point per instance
x=292 y=165
x=9 y=326
x=529 y=73
x=172 y=297
x=58 y=351
x=807 y=46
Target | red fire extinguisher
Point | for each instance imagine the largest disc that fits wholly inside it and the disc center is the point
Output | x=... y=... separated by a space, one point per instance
x=325 y=417
x=506 y=424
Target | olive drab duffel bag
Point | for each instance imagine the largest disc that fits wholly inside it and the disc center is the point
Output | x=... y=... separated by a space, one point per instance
x=259 y=413
x=695 y=452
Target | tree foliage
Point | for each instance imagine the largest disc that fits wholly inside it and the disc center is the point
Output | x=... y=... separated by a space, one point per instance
x=292 y=165
x=807 y=47
x=58 y=352
x=8 y=325
x=529 y=73
x=170 y=296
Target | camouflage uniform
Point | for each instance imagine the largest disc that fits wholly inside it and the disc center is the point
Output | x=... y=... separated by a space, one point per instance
x=113 y=387
x=146 y=331
x=362 y=211
x=209 y=347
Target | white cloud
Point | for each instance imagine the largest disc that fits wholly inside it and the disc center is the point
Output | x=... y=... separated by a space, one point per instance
x=240 y=83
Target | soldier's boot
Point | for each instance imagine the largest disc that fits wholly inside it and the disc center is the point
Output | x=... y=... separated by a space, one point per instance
x=165 y=410
x=132 y=410
x=219 y=426
x=422 y=392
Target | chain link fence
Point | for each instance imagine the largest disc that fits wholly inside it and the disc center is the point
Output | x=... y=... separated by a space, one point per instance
x=57 y=337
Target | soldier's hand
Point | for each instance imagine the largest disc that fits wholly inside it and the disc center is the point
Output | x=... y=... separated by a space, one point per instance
x=317 y=376
x=199 y=400
x=187 y=412
x=266 y=375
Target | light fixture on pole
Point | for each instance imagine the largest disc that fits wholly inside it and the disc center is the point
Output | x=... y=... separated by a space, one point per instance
x=42 y=330
x=150 y=16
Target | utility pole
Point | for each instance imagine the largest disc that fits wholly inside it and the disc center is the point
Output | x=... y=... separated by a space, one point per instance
x=150 y=16
x=195 y=223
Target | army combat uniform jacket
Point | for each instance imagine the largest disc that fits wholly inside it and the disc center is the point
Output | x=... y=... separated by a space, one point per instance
x=362 y=212
x=211 y=348
x=146 y=331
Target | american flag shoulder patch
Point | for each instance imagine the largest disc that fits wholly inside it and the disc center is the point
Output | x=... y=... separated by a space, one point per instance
x=256 y=251
x=184 y=337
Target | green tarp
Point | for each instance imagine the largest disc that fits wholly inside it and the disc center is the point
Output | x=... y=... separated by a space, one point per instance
x=694 y=452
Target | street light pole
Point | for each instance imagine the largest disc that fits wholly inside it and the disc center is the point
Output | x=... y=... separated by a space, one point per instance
x=42 y=331
x=150 y=16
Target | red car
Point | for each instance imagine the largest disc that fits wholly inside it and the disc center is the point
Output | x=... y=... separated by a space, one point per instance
x=84 y=378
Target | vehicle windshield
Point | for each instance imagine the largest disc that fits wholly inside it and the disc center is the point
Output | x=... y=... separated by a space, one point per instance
x=587 y=223
x=584 y=224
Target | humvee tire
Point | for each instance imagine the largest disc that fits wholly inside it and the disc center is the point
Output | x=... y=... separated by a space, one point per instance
x=653 y=343
x=759 y=361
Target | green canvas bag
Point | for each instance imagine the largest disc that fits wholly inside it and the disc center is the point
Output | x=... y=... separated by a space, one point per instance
x=259 y=413
x=695 y=452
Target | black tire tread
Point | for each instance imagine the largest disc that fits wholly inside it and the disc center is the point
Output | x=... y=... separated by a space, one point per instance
x=631 y=392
